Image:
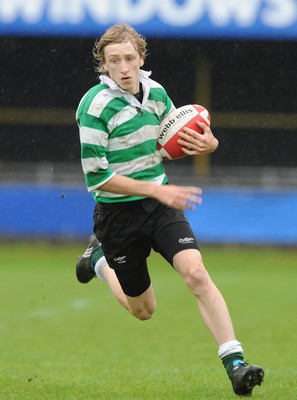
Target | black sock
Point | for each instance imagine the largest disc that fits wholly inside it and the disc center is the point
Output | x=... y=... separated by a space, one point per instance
x=228 y=361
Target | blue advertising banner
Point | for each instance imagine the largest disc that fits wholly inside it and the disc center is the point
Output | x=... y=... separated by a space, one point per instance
x=227 y=215
x=248 y=19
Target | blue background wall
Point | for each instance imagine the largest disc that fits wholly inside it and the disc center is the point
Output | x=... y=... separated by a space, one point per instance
x=272 y=19
x=226 y=215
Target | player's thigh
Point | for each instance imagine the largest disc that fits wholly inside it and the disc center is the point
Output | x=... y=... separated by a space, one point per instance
x=175 y=238
x=119 y=228
x=134 y=281
x=136 y=284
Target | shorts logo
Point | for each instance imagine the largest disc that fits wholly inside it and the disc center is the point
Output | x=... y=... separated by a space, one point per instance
x=186 y=240
x=120 y=260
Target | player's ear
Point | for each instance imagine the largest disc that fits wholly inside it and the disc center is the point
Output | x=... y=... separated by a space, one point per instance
x=104 y=65
x=141 y=61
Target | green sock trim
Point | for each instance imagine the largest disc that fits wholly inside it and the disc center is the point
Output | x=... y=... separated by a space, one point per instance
x=96 y=255
x=228 y=361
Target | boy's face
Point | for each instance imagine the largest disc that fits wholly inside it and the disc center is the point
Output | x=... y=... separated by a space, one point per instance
x=123 y=62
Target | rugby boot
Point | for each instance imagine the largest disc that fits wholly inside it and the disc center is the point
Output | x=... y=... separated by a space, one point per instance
x=84 y=266
x=245 y=377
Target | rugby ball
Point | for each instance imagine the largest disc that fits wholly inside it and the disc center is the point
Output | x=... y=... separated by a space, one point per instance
x=185 y=116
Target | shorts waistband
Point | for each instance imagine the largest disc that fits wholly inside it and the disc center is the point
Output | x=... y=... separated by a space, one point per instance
x=127 y=204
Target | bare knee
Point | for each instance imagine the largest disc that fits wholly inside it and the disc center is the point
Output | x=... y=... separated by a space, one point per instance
x=190 y=265
x=143 y=313
x=197 y=279
x=143 y=306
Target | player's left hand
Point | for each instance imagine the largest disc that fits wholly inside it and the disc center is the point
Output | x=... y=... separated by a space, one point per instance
x=194 y=143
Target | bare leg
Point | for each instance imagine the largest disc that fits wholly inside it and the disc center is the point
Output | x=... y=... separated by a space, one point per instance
x=211 y=303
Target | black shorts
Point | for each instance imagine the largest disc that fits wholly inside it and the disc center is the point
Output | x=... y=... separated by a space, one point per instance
x=128 y=231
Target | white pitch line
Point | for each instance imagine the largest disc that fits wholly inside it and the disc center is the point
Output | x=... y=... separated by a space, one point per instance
x=44 y=313
x=80 y=304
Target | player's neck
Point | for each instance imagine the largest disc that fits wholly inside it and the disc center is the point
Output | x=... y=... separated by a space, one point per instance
x=139 y=95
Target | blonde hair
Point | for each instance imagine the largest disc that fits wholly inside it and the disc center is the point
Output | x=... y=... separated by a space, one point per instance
x=118 y=33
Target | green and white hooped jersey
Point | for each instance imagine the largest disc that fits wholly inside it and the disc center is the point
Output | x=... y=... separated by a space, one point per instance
x=118 y=135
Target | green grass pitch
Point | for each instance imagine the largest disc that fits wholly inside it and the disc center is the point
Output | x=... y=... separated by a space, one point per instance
x=62 y=340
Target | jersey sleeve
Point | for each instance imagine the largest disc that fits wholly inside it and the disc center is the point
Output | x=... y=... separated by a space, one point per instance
x=94 y=139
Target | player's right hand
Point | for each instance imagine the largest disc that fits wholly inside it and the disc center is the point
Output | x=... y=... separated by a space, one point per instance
x=179 y=197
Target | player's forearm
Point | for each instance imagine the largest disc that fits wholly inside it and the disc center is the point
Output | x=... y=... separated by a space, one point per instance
x=178 y=197
x=130 y=187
